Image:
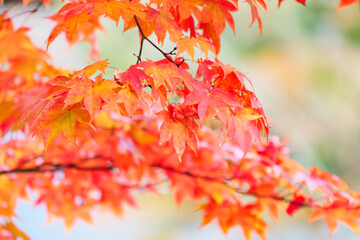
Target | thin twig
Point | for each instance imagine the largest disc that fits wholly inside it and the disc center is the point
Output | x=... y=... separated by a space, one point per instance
x=140 y=50
x=29 y=11
x=143 y=37
x=32 y=13
x=141 y=41
x=172 y=52
x=50 y=167
x=212 y=179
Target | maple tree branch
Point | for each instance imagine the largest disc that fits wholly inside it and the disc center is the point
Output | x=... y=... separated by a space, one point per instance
x=50 y=167
x=225 y=182
x=31 y=12
x=143 y=37
x=141 y=41
x=140 y=50
x=189 y=174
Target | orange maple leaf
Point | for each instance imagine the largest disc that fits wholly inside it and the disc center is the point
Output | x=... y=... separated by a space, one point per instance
x=129 y=98
x=93 y=94
x=334 y=213
x=14 y=231
x=345 y=3
x=182 y=130
x=57 y=119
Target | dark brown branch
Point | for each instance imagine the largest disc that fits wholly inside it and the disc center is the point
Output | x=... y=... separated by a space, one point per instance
x=49 y=167
x=31 y=12
x=143 y=37
x=226 y=182
x=189 y=174
x=140 y=50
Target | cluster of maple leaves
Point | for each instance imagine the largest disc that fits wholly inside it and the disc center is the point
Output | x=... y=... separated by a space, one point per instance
x=75 y=140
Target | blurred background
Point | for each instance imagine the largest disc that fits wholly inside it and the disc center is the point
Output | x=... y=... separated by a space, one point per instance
x=305 y=68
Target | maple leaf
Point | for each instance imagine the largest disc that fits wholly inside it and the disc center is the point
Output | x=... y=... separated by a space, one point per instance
x=76 y=20
x=180 y=129
x=129 y=98
x=114 y=9
x=92 y=93
x=205 y=45
x=272 y=206
x=14 y=231
x=210 y=32
x=345 y=3
x=70 y=25
x=233 y=82
x=183 y=187
x=188 y=44
x=78 y=89
x=235 y=213
x=14 y=42
x=182 y=12
x=102 y=90
x=56 y=119
x=334 y=213
x=132 y=76
x=241 y=128
x=184 y=8
x=303 y=2
x=317 y=179
x=211 y=101
x=162 y=73
x=91 y=69
x=217 y=191
x=33 y=112
x=213 y=19
x=254 y=6
x=164 y=22
x=176 y=129
x=204 y=70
